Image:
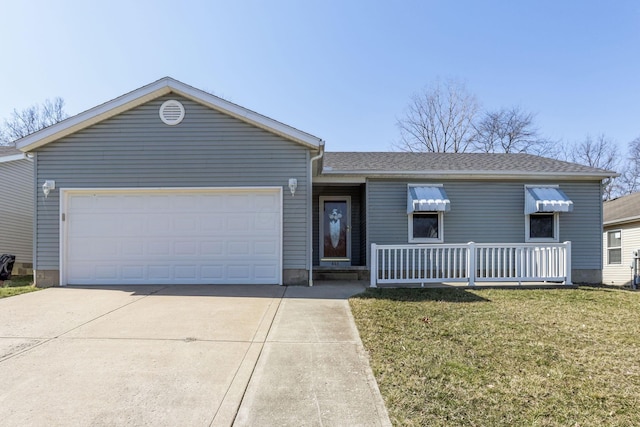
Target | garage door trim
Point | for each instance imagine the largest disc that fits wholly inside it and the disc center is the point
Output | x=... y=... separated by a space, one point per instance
x=65 y=193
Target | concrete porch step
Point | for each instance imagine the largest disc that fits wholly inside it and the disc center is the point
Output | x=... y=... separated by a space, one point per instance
x=340 y=273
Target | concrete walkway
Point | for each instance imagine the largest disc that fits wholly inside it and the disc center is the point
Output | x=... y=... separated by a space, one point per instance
x=185 y=355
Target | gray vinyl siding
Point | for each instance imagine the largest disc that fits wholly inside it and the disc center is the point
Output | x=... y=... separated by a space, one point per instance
x=357 y=213
x=16 y=210
x=490 y=212
x=208 y=149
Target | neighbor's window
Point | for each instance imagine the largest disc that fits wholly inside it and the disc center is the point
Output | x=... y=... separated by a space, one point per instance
x=614 y=247
x=425 y=227
x=542 y=227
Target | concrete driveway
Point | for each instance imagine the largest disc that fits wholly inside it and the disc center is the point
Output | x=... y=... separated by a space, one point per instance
x=185 y=355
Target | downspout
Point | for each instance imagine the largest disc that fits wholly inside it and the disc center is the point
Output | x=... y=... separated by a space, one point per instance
x=310 y=208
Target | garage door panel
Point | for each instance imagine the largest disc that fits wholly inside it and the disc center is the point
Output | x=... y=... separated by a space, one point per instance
x=213 y=273
x=189 y=248
x=240 y=223
x=159 y=273
x=133 y=203
x=266 y=221
x=266 y=202
x=134 y=225
x=265 y=272
x=188 y=272
x=158 y=224
x=81 y=202
x=108 y=203
x=238 y=202
x=241 y=248
x=158 y=203
x=107 y=272
x=239 y=272
x=265 y=248
x=132 y=247
x=212 y=248
x=186 y=223
x=211 y=236
x=133 y=272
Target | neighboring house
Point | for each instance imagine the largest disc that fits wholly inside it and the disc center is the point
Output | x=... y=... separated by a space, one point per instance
x=620 y=239
x=16 y=208
x=170 y=184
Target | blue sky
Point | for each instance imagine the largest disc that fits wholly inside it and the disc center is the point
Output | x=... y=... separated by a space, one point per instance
x=343 y=71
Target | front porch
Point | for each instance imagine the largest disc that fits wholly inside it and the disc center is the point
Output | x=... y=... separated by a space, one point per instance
x=342 y=250
x=471 y=264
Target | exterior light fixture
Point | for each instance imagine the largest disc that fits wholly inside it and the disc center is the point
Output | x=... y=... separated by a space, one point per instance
x=48 y=186
x=293 y=184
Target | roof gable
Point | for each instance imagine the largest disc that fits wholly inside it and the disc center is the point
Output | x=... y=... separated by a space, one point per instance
x=453 y=164
x=152 y=91
x=621 y=210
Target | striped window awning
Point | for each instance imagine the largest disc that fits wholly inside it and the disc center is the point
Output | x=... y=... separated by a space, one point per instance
x=427 y=199
x=546 y=199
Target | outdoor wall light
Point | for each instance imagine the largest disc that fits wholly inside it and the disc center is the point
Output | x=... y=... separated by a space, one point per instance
x=48 y=186
x=293 y=184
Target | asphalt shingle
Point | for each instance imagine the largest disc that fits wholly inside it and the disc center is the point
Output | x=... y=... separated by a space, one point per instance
x=518 y=163
x=6 y=150
x=622 y=208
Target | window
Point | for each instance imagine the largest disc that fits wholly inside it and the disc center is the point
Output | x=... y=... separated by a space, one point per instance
x=614 y=247
x=425 y=227
x=426 y=204
x=541 y=227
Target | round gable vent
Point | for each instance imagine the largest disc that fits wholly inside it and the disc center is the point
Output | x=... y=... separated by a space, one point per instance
x=171 y=112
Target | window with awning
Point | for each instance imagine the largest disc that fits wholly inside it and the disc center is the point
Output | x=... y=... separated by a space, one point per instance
x=545 y=199
x=427 y=198
x=542 y=207
x=425 y=207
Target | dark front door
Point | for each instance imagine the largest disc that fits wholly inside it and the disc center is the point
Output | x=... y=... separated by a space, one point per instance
x=335 y=231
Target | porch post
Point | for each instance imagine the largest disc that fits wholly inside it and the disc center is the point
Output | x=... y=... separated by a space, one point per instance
x=567 y=274
x=471 y=263
x=373 y=269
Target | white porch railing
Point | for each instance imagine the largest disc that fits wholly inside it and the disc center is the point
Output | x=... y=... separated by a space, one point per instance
x=471 y=263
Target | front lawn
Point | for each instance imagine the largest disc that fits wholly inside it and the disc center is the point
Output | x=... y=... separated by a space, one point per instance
x=16 y=286
x=500 y=357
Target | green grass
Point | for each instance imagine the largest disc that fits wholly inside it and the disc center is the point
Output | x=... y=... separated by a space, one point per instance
x=16 y=286
x=500 y=357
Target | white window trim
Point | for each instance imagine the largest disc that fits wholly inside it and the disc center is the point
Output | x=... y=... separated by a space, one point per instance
x=613 y=247
x=556 y=229
x=440 y=238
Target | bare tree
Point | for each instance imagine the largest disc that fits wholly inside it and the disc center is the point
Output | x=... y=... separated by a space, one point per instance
x=600 y=152
x=629 y=181
x=32 y=119
x=509 y=131
x=439 y=119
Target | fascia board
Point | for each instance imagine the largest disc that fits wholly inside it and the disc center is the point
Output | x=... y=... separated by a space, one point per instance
x=622 y=220
x=148 y=93
x=339 y=179
x=470 y=174
x=12 y=158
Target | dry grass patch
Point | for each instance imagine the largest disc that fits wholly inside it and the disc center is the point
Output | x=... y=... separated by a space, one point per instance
x=16 y=286
x=500 y=357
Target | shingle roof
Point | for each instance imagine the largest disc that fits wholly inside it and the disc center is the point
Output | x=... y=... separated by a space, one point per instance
x=453 y=163
x=622 y=209
x=8 y=151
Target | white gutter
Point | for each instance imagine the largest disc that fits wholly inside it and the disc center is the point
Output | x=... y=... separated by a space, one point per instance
x=12 y=157
x=310 y=205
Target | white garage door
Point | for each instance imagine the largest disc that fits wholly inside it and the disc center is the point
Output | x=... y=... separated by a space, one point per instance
x=214 y=236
